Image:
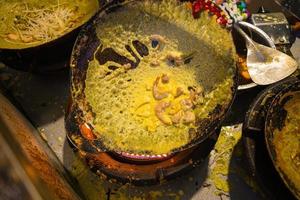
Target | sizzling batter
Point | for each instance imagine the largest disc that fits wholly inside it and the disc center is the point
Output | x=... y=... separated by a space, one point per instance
x=144 y=83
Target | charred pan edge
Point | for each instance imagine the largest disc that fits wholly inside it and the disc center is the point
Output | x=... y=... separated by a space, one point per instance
x=79 y=64
x=253 y=137
x=275 y=120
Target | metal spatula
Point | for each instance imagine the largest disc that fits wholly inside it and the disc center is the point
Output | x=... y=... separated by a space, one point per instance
x=266 y=65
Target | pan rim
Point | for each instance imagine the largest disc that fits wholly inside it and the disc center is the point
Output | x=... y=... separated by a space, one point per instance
x=267 y=134
x=209 y=129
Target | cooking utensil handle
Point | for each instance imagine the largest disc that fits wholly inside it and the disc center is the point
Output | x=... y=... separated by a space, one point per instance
x=260 y=32
x=249 y=41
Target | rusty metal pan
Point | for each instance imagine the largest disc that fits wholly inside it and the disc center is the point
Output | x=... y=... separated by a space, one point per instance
x=35 y=164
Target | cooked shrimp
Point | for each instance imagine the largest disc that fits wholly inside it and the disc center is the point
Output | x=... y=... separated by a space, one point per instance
x=196 y=93
x=179 y=92
x=165 y=78
x=175 y=58
x=186 y=104
x=160 y=113
x=188 y=117
x=156 y=93
x=177 y=117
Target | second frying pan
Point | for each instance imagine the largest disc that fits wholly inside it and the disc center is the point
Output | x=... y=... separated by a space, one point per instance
x=282 y=136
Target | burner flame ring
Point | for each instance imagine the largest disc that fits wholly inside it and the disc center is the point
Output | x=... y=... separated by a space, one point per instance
x=143 y=157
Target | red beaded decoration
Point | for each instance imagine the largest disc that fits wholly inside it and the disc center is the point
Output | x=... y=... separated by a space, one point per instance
x=213 y=9
x=207 y=5
x=198 y=6
x=237 y=10
x=222 y=20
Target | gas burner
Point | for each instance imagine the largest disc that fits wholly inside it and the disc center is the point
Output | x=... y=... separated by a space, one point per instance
x=124 y=169
x=259 y=162
x=139 y=169
x=128 y=170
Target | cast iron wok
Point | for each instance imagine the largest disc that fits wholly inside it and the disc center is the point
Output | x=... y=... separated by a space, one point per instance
x=275 y=121
x=81 y=134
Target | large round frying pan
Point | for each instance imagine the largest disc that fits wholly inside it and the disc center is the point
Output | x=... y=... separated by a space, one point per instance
x=222 y=67
x=19 y=20
x=285 y=153
x=26 y=49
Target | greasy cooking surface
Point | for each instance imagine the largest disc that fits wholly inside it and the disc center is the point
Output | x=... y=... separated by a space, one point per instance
x=29 y=23
x=155 y=79
x=287 y=141
x=283 y=136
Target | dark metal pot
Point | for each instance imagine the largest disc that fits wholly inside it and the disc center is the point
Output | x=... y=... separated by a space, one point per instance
x=275 y=122
x=81 y=134
x=44 y=56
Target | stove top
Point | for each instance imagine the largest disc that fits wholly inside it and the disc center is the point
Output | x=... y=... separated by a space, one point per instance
x=42 y=98
x=220 y=174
